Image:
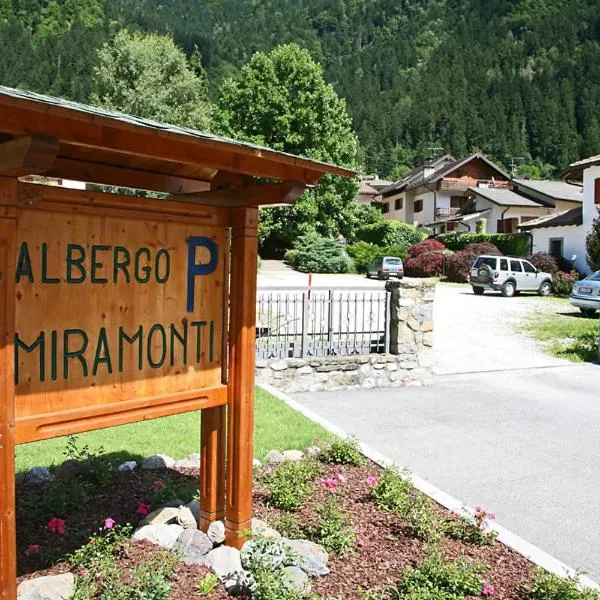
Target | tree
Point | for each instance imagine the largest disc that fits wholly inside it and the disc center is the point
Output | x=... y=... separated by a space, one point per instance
x=281 y=100
x=592 y=244
x=149 y=76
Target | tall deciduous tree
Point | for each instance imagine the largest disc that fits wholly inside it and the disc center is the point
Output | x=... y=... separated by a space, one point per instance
x=149 y=76
x=281 y=100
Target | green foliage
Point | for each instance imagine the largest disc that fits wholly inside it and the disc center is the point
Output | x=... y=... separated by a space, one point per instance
x=149 y=76
x=343 y=452
x=290 y=485
x=562 y=283
x=465 y=529
x=289 y=526
x=332 y=530
x=592 y=244
x=390 y=233
x=207 y=584
x=437 y=579
x=316 y=254
x=511 y=244
x=580 y=348
x=546 y=586
x=95 y=468
x=363 y=254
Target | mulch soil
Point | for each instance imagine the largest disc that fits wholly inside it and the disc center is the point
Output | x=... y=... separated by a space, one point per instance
x=387 y=543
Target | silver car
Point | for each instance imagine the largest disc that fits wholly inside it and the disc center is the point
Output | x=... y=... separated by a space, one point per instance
x=385 y=267
x=586 y=295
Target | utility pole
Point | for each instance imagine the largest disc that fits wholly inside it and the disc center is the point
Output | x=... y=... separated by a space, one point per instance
x=433 y=150
x=513 y=164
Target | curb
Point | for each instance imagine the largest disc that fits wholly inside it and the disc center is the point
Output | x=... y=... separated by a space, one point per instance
x=531 y=552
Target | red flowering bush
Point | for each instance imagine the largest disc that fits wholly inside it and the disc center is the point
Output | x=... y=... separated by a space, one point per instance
x=544 y=262
x=429 y=264
x=425 y=246
x=459 y=264
x=563 y=283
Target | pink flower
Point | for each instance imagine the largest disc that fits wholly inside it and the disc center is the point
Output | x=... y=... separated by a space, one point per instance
x=33 y=549
x=109 y=523
x=56 y=525
x=340 y=478
x=158 y=485
x=488 y=589
x=372 y=480
x=142 y=508
x=361 y=542
x=330 y=484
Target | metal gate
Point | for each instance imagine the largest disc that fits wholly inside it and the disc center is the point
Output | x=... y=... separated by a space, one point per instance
x=293 y=323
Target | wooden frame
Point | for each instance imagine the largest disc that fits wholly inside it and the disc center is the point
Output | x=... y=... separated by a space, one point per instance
x=209 y=217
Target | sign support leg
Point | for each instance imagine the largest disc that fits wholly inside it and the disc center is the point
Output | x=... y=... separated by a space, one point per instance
x=212 y=466
x=8 y=539
x=242 y=341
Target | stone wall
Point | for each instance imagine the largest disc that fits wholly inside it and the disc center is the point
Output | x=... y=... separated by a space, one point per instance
x=409 y=362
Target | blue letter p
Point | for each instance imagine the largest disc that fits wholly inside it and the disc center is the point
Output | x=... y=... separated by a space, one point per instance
x=202 y=269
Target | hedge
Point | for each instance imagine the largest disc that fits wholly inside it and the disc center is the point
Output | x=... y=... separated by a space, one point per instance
x=511 y=244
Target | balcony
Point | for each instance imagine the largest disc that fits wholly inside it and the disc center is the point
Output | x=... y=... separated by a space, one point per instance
x=449 y=184
x=446 y=212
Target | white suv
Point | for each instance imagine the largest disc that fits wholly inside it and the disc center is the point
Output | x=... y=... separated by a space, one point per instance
x=509 y=275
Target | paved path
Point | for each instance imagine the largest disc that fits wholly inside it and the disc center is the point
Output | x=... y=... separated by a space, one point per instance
x=524 y=444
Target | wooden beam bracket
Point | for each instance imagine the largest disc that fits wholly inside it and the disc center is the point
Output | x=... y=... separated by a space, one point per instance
x=29 y=155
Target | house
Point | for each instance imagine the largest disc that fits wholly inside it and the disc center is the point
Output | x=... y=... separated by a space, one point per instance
x=563 y=234
x=369 y=189
x=439 y=189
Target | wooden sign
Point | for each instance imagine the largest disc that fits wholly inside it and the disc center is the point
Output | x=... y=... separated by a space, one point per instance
x=112 y=315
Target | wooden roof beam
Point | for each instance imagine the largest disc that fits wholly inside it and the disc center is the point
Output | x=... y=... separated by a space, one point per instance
x=29 y=155
x=264 y=194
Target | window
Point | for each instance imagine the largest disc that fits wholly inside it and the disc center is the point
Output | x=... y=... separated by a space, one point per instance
x=507 y=225
x=485 y=260
x=597 y=191
x=457 y=201
x=555 y=247
x=515 y=265
x=503 y=264
x=418 y=206
x=529 y=268
x=398 y=204
x=385 y=208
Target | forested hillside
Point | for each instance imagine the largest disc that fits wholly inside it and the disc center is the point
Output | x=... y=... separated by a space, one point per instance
x=512 y=78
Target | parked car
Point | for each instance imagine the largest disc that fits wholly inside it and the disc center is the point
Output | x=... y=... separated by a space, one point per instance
x=385 y=267
x=509 y=275
x=586 y=295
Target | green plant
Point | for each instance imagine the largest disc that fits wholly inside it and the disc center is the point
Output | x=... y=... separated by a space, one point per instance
x=207 y=584
x=592 y=243
x=562 y=283
x=317 y=254
x=473 y=531
x=95 y=468
x=290 y=484
x=512 y=244
x=390 y=233
x=291 y=256
x=437 y=579
x=288 y=526
x=343 y=452
x=392 y=490
x=363 y=254
x=546 y=586
x=59 y=499
x=332 y=530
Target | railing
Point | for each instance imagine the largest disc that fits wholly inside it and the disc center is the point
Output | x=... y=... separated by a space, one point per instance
x=298 y=323
x=447 y=212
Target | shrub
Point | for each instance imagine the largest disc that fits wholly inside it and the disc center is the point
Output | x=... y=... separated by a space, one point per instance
x=544 y=262
x=546 y=586
x=332 y=531
x=474 y=530
x=563 y=283
x=430 y=264
x=390 y=233
x=290 y=484
x=363 y=254
x=592 y=244
x=458 y=265
x=316 y=254
x=426 y=246
x=392 y=490
x=436 y=579
x=343 y=452
x=291 y=257
x=513 y=244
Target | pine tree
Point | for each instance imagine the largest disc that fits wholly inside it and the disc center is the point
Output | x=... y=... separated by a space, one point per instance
x=592 y=244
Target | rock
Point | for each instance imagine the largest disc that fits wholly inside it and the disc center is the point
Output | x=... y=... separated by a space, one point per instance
x=54 y=587
x=69 y=469
x=186 y=519
x=160 y=534
x=194 y=506
x=38 y=475
x=190 y=462
x=237 y=583
x=261 y=528
x=162 y=516
x=216 y=532
x=296 y=579
x=158 y=461
x=256 y=463
x=312 y=557
x=275 y=457
x=279 y=365
x=313 y=451
x=19 y=478
x=293 y=455
x=193 y=545
x=224 y=561
x=129 y=465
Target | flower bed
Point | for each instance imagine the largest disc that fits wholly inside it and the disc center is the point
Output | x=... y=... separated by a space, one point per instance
x=385 y=539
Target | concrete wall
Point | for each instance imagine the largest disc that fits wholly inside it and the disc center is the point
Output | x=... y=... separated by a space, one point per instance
x=409 y=363
x=573 y=242
x=503 y=212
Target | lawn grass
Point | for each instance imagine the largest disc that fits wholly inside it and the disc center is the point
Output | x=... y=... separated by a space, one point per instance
x=565 y=333
x=276 y=426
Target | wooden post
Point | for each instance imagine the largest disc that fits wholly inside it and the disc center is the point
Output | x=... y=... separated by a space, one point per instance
x=242 y=341
x=212 y=466
x=8 y=538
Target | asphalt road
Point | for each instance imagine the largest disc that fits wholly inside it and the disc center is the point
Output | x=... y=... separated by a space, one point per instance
x=524 y=444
